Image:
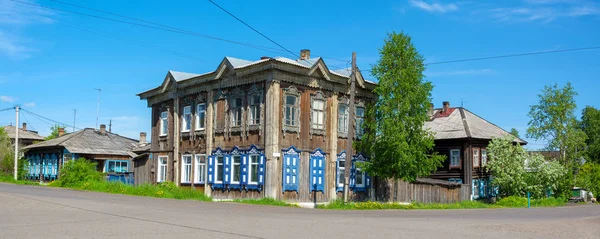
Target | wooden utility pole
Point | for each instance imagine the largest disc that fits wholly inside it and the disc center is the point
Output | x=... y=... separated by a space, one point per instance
x=351 y=130
x=17 y=142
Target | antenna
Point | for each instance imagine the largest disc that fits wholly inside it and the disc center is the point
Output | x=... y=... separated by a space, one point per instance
x=98 y=108
x=74 y=117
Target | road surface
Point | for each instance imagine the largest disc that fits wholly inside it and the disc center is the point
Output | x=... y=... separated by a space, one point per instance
x=43 y=212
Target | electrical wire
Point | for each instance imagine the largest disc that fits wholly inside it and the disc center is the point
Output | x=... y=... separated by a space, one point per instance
x=11 y=108
x=27 y=120
x=51 y=120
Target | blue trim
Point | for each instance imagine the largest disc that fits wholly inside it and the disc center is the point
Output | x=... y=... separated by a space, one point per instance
x=108 y=161
x=340 y=157
x=317 y=171
x=290 y=169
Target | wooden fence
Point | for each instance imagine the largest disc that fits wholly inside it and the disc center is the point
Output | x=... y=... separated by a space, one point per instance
x=423 y=190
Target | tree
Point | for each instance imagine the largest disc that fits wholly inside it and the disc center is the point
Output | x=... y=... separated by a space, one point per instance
x=553 y=120
x=590 y=124
x=514 y=132
x=6 y=153
x=589 y=177
x=399 y=146
x=543 y=176
x=54 y=132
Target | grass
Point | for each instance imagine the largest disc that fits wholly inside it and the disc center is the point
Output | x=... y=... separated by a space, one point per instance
x=265 y=201
x=10 y=179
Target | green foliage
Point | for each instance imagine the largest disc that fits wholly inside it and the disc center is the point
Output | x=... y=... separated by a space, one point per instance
x=553 y=120
x=544 y=175
x=6 y=154
x=589 y=178
x=514 y=201
x=6 y=178
x=508 y=202
x=74 y=173
x=147 y=190
x=54 y=132
x=514 y=132
x=590 y=124
x=265 y=201
x=394 y=136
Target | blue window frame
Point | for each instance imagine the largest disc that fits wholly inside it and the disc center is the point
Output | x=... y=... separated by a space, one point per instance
x=116 y=166
x=254 y=169
x=291 y=162
x=216 y=169
x=317 y=171
x=236 y=165
x=340 y=170
x=360 y=181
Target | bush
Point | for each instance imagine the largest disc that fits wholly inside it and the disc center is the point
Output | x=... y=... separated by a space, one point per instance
x=514 y=201
x=78 y=172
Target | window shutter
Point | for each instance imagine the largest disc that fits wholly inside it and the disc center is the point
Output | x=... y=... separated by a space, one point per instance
x=317 y=164
x=337 y=176
x=227 y=170
x=261 y=170
x=244 y=170
x=211 y=169
x=352 y=176
x=481 y=188
x=367 y=181
x=290 y=172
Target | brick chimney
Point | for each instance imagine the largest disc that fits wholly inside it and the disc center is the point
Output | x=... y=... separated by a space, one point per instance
x=304 y=54
x=61 y=131
x=446 y=106
x=24 y=127
x=103 y=129
x=142 y=138
x=264 y=57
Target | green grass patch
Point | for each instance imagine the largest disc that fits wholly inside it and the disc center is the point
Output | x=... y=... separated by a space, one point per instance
x=517 y=202
x=10 y=179
x=163 y=190
x=509 y=202
x=265 y=201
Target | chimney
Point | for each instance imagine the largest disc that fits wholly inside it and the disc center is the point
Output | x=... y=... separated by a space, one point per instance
x=61 y=131
x=264 y=57
x=24 y=127
x=430 y=111
x=103 y=129
x=446 y=106
x=304 y=54
x=142 y=138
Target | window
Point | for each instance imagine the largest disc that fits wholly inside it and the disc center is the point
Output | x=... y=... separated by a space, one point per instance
x=254 y=106
x=455 y=158
x=360 y=178
x=200 y=116
x=343 y=119
x=161 y=175
x=253 y=169
x=164 y=123
x=236 y=112
x=235 y=173
x=483 y=157
x=341 y=170
x=318 y=114
x=186 y=120
x=360 y=119
x=291 y=161
x=291 y=110
x=475 y=157
x=200 y=168
x=317 y=171
x=186 y=169
x=116 y=166
x=219 y=169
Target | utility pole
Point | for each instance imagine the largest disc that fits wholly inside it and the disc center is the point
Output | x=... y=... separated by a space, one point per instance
x=98 y=108
x=74 y=117
x=17 y=142
x=349 y=151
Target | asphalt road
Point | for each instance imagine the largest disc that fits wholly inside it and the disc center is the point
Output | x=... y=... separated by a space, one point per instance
x=42 y=212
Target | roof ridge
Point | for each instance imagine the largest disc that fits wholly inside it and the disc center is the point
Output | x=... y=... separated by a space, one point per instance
x=491 y=123
x=464 y=121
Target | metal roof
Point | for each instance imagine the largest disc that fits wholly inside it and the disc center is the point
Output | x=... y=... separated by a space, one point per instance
x=23 y=134
x=180 y=76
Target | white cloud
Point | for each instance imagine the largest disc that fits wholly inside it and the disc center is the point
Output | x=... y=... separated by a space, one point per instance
x=12 y=47
x=8 y=99
x=14 y=17
x=460 y=72
x=434 y=7
x=545 y=11
x=29 y=104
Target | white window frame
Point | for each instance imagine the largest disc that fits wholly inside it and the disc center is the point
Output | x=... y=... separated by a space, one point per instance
x=254 y=109
x=250 y=163
x=217 y=171
x=183 y=168
x=200 y=175
x=476 y=158
x=198 y=118
x=234 y=110
x=160 y=170
x=360 y=121
x=317 y=114
x=186 y=119
x=483 y=157
x=363 y=174
x=239 y=173
x=457 y=165
x=341 y=171
x=164 y=123
x=343 y=116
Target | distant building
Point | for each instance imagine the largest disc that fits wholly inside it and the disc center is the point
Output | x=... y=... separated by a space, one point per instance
x=26 y=137
x=463 y=137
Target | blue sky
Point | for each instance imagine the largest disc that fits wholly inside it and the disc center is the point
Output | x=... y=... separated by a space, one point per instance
x=51 y=61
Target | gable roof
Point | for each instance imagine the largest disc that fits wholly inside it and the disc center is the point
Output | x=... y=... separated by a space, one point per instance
x=180 y=76
x=90 y=141
x=23 y=134
x=459 y=123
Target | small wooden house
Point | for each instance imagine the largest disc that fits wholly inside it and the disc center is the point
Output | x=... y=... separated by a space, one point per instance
x=463 y=137
x=26 y=136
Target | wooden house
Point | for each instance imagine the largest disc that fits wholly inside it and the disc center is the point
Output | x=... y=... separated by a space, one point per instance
x=26 y=136
x=463 y=137
x=273 y=127
x=112 y=152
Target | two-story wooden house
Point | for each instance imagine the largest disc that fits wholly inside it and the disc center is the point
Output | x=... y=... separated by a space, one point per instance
x=463 y=137
x=273 y=127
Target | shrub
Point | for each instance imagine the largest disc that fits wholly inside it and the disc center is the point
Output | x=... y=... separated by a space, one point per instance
x=512 y=201
x=78 y=172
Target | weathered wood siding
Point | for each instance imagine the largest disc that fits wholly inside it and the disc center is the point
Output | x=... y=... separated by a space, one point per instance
x=421 y=192
x=142 y=171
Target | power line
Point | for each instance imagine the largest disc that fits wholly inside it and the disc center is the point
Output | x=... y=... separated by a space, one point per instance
x=51 y=120
x=260 y=33
x=514 y=55
x=11 y=108
x=27 y=120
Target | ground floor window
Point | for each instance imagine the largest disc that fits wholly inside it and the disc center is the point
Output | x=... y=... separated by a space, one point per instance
x=200 y=168
x=219 y=169
x=253 y=169
x=116 y=166
x=161 y=175
x=186 y=168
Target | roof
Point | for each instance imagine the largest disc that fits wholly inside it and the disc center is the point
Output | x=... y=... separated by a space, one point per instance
x=23 y=134
x=458 y=123
x=180 y=76
x=91 y=141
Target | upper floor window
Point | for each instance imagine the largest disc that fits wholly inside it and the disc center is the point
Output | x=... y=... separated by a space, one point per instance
x=475 y=157
x=318 y=111
x=164 y=123
x=200 y=116
x=343 y=119
x=291 y=110
x=186 y=119
x=360 y=120
x=455 y=158
x=254 y=102
x=483 y=157
x=236 y=111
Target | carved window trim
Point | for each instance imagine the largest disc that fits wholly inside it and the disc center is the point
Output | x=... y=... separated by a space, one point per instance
x=251 y=124
x=291 y=91
x=220 y=95
x=357 y=129
x=237 y=93
x=318 y=96
x=346 y=103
